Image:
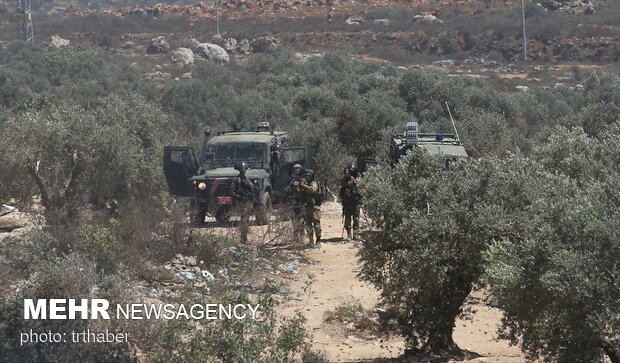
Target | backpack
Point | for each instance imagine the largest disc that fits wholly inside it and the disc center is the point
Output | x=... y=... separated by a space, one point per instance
x=319 y=196
x=350 y=194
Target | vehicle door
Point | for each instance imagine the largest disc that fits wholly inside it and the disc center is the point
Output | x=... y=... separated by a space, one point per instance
x=292 y=155
x=180 y=164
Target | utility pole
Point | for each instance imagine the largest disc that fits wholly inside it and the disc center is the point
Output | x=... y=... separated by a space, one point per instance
x=217 y=16
x=524 y=36
x=25 y=9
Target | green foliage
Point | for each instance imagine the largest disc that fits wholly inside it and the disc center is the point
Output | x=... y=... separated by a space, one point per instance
x=40 y=76
x=69 y=276
x=558 y=283
x=108 y=152
x=431 y=228
x=22 y=254
x=103 y=244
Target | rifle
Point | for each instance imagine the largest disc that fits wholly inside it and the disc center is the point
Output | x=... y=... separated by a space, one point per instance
x=342 y=234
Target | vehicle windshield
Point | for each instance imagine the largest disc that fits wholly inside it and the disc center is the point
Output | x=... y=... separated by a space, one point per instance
x=224 y=155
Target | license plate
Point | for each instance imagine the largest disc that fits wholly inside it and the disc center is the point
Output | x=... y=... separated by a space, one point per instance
x=224 y=200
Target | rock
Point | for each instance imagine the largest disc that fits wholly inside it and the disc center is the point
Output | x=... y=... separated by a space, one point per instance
x=58 y=42
x=428 y=18
x=522 y=88
x=182 y=57
x=354 y=21
x=128 y=45
x=266 y=44
x=569 y=7
x=158 y=45
x=230 y=45
x=191 y=261
x=14 y=220
x=243 y=46
x=194 y=43
x=444 y=63
x=158 y=76
x=6 y=209
x=382 y=21
x=187 y=75
x=212 y=52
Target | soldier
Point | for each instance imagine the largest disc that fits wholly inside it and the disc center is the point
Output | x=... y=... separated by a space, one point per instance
x=350 y=199
x=274 y=163
x=296 y=199
x=244 y=191
x=312 y=211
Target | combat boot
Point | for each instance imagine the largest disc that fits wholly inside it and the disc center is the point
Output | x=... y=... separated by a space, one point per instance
x=348 y=235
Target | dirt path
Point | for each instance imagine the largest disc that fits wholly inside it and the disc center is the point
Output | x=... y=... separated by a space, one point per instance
x=335 y=283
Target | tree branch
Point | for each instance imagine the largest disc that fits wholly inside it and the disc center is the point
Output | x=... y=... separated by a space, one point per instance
x=33 y=170
x=71 y=185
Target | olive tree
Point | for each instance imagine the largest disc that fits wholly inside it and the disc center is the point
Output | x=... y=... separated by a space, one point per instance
x=430 y=229
x=66 y=153
x=559 y=286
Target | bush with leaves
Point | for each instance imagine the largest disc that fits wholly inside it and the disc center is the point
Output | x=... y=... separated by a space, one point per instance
x=559 y=284
x=431 y=228
x=66 y=153
x=67 y=276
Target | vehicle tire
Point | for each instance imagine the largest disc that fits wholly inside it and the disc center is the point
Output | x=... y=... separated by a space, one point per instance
x=263 y=211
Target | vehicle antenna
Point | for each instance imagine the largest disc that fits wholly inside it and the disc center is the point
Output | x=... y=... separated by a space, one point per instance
x=456 y=133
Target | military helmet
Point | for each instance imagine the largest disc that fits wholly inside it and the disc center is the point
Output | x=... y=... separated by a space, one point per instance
x=241 y=165
x=308 y=175
x=352 y=168
x=296 y=170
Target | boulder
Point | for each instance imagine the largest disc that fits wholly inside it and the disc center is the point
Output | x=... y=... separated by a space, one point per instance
x=265 y=44
x=244 y=47
x=230 y=45
x=158 y=45
x=428 y=18
x=354 y=21
x=382 y=21
x=14 y=220
x=212 y=52
x=194 y=43
x=58 y=42
x=182 y=57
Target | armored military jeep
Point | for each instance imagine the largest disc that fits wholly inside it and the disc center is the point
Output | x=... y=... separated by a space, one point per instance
x=207 y=181
x=448 y=147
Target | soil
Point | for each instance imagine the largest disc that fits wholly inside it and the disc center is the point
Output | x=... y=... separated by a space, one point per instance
x=333 y=269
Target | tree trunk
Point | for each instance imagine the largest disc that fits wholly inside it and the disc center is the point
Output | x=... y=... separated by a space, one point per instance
x=452 y=297
x=441 y=343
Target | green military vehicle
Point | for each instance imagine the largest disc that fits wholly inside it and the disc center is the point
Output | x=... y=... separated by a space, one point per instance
x=207 y=180
x=448 y=147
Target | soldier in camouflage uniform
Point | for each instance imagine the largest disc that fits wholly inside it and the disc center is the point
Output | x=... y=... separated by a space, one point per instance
x=312 y=211
x=350 y=199
x=296 y=199
x=244 y=192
